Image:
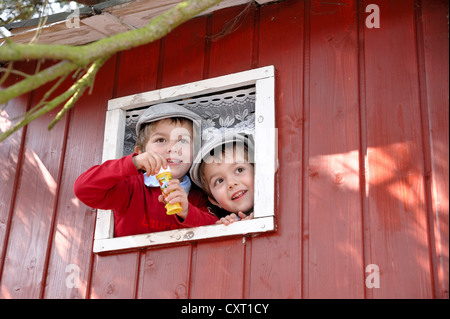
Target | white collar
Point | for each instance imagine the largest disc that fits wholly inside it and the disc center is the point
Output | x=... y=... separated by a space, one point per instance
x=151 y=181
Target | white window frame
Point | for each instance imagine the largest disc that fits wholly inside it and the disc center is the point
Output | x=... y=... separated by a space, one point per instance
x=265 y=159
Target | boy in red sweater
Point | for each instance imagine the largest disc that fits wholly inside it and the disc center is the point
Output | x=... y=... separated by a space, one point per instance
x=167 y=135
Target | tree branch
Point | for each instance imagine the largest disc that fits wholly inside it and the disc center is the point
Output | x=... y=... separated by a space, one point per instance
x=79 y=87
x=79 y=57
x=72 y=95
x=34 y=81
x=83 y=55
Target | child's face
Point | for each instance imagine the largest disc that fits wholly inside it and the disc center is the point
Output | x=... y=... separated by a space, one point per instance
x=173 y=141
x=231 y=183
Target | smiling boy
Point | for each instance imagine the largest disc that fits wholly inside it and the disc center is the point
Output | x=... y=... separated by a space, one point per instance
x=225 y=171
x=167 y=136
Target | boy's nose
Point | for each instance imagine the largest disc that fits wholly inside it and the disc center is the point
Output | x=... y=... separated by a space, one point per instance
x=174 y=147
x=232 y=183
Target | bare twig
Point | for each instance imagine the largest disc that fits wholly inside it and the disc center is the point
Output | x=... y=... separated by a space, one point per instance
x=48 y=93
x=12 y=71
x=71 y=96
x=42 y=21
x=81 y=85
x=84 y=55
x=7 y=73
x=34 y=81
x=79 y=57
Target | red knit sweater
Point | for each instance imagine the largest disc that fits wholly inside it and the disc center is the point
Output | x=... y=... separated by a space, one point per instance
x=118 y=185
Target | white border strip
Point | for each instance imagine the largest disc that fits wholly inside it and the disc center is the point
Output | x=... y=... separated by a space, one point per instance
x=259 y=225
x=225 y=82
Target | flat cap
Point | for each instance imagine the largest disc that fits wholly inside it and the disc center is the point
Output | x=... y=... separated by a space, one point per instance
x=167 y=110
x=216 y=143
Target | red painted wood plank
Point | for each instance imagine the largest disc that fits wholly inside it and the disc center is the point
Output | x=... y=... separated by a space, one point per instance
x=397 y=229
x=10 y=156
x=276 y=259
x=184 y=53
x=138 y=69
x=219 y=270
x=115 y=276
x=74 y=227
x=436 y=64
x=335 y=256
x=231 y=40
x=164 y=273
x=33 y=214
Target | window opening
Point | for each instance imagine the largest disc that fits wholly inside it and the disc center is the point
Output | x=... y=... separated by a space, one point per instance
x=241 y=102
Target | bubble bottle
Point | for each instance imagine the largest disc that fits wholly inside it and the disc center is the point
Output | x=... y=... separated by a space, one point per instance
x=163 y=177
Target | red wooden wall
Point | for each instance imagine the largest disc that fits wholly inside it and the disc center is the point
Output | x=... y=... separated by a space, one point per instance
x=362 y=117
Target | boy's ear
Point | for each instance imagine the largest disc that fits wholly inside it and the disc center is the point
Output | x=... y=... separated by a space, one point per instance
x=213 y=201
x=137 y=150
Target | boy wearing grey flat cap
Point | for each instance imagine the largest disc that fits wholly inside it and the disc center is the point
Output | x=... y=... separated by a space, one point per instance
x=224 y=168
x=168 y=135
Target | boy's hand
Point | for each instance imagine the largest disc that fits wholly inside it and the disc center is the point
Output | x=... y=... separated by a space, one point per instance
x=229 y=219
x=150 y=162
x=176 y=194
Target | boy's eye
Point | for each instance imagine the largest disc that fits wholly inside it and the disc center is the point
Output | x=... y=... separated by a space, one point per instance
x=184 y=141
x=239 y=170
x=160 y=140
x=218 y=181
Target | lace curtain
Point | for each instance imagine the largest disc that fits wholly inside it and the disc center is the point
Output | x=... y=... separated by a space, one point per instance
x=229 y=111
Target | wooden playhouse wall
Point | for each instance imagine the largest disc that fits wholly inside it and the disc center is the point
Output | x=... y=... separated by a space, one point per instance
x=362 y=117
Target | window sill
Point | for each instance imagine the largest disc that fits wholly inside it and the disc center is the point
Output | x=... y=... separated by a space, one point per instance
x=257 y=225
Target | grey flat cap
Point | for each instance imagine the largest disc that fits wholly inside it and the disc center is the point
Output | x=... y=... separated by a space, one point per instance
x=215 y=143
x=166 y=110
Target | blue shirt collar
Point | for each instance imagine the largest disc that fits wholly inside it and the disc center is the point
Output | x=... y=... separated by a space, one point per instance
x=151 y=181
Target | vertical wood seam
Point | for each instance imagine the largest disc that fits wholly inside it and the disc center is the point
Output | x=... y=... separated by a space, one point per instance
x=208 y=33
x=192 y=265
x=256 y=28
x=137 y=273
x=247 y=240
x=304 y=289
x=162 y=50
x=55 y=206
x=90 y=276
x=17 y=176
x=426 y=147
x=362 y=139
x=116 y=75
